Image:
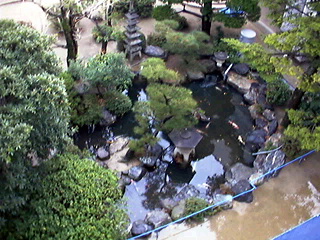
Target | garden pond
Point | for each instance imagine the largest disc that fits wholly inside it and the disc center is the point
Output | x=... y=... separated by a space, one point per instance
x=220 y=148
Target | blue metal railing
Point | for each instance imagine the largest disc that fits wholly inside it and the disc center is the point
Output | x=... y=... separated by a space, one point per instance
x=225 y=201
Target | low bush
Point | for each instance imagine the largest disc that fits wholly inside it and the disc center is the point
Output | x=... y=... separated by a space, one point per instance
x=278 y=93
x=164 y=12
x=117 y=102
x=156 y=39
x=196 y=204
x=143 y=7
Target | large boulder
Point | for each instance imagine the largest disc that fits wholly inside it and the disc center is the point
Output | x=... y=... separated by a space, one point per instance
x=107 y=118
x=267 y=162
x=257 y=179
x=179 y=210
x=195 y=75
x=168 y=203
x=148 y=162
x=158 y=218
x=242 y=84
x=136 y=173
x=241 y=68
x=118 y=144
x=248 y=158
x=260 y=122
x=102 y=153
x=155 y=51
x=187 y=192
x=208 y=65
x=255 y=110
x=155 y=150
x=238 y=172
x=225 y=199
x=139 y=227
x=252 y=95
x=240 y=187
x=275 y=140
x=256 y=140
x=272 y=127
x=269 y=115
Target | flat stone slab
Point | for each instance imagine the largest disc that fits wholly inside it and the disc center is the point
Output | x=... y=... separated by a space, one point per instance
x=242 y=84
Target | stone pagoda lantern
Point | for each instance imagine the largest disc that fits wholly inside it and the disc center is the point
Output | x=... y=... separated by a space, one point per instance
x=185 y=141
x=132 y=42
x=220 y=58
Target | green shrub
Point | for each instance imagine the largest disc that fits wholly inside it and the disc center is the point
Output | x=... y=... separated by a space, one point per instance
x=164 y=12
x=117 y=102
x=143 y=7
x=77 y=199
x=196 y=204
x=292 y=147
x=156 y=39
x=278 y=92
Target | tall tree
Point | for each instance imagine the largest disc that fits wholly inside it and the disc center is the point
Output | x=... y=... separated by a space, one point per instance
x=34 y=111
x=69 y=13
x=250 y=8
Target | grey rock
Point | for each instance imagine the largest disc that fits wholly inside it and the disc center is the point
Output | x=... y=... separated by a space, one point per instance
x=260 y=122
x=269 y=115
x=136 y=173
x=248 y=158
x=272 y=127
x=168 y=203
x=265 y=163
x=241 y=68
x=187 y=192
x=208 y=65
x=240 y=187
x=225 y=198
x=252 y=95
x=255 y=111
x=257 y=178
x=118 y=144
x=239 y=172
x=155 y=150
x=158 y=218
x=242 y=84
x=139 y=227
x=155 y=51
x=148 y=161
x=195 y=75
x=102 y=153
x=107 y=118
x=125 y=179
x=275 y=140
x=256 y=138
x=179 y=210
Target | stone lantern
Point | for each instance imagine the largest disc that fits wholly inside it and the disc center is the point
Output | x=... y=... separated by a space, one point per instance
x=220 y=58
x=185 y=141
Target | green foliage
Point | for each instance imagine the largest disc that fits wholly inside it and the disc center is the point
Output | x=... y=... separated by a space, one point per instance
x=26 y=50
x=188 y=46
x=77 y=199
x=143 y=7
x=172 y=107
x=278 y=92
x=165 y=12
x=156 y=39
x=305 y=128
x=230 y=22
x=292 y=147
x=103 y=32
x=196 y=204
x=117 y=102
x=143 y=114
x=34 y=112
x=155 y=70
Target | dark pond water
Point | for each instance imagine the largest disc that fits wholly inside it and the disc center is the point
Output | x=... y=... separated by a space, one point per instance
x=219 y=149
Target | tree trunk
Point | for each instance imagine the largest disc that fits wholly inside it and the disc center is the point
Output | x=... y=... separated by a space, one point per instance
x=68 y=26
x=206 y=16
x=104 y=46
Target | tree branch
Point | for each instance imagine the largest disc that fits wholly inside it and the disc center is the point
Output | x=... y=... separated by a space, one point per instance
x=46 y=10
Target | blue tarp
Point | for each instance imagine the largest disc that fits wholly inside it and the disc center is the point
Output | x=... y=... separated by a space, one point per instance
x=309 y=230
